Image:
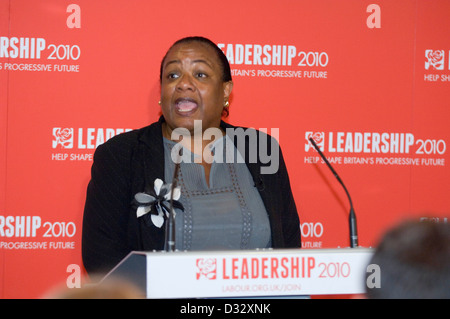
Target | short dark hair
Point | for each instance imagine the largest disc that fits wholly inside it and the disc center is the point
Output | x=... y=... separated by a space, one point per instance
x=414 y=260
x=226 y=70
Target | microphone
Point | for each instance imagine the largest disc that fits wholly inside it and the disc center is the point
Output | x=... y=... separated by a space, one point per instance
x=170 y=225
x=352 y=215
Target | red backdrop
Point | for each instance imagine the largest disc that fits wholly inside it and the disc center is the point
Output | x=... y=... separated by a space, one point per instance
x=370 y=81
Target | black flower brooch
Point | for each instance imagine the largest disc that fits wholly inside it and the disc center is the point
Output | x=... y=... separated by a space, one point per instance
x=157 y=203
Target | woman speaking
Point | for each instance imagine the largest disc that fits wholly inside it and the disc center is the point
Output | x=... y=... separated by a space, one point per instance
x=222 y=201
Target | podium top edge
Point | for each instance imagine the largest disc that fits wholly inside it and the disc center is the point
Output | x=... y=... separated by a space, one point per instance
x=346 y=250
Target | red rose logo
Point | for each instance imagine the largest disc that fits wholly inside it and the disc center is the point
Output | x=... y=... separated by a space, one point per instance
x=63 y=137
x=435 y=59
x=206 y=267
x=318 y=137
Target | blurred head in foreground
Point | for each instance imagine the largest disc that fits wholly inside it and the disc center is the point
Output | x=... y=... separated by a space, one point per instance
x=414 y=262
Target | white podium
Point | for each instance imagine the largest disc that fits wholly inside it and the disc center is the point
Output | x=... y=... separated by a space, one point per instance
x=247 y=273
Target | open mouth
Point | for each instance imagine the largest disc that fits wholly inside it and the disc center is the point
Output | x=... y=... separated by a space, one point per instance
x=185 y=106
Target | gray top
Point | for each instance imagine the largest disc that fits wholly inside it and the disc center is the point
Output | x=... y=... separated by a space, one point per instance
x=229 y=214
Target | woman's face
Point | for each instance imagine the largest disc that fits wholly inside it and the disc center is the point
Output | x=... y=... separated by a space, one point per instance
x=192 y=87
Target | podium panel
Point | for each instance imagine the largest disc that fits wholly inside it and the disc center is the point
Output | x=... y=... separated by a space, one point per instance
x=244 y=273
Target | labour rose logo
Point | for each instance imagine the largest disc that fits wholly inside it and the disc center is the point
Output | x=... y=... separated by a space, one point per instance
x=318 y=137
x=435 y=59
x=63 y=137
x=206 y=268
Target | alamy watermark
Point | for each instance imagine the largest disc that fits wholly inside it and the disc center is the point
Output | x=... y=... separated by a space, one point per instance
x=373 y=279
x=239 y=144
x=74 y=278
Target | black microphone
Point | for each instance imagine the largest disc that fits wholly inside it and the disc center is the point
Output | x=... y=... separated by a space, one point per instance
x=352 y=216
x=170 y=225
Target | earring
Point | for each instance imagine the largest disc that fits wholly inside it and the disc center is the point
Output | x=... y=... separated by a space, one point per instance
x=159 y=102
x=227 y=104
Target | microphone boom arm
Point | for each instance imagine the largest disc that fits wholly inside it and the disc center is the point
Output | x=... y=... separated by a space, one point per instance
x=170 y=225
x=352 y=215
